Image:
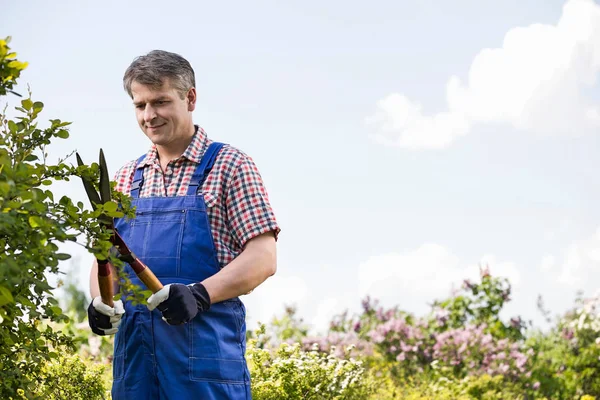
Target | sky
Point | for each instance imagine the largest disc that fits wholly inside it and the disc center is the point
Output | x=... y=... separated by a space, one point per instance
x=402 y=144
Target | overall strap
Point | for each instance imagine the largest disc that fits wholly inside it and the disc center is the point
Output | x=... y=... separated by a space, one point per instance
x=138 y=179
x=203 y=169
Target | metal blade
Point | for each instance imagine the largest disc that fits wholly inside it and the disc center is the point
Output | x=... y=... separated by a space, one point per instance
x=89 y=187
x=104 y=180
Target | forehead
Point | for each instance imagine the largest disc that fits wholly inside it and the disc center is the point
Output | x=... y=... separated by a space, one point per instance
x=140 y=91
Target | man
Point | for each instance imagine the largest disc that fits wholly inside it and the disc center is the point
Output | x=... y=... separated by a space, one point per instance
x=206 y=229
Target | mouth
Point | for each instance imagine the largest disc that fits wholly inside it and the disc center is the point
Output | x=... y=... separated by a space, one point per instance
x=155 y=127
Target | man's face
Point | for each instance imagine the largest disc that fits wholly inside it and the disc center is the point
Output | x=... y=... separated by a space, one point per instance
x=161 y=113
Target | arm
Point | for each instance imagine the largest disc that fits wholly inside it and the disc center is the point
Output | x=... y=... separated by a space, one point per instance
x=253 y=266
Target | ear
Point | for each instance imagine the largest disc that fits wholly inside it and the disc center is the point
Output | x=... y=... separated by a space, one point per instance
x=191 y=98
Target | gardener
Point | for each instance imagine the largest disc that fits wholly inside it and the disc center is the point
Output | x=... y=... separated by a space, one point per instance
x=206 y=229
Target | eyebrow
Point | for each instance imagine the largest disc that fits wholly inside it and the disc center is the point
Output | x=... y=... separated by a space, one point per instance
x=161 y=98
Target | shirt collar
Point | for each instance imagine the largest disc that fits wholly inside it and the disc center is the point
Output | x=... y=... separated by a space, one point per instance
x=193 y=152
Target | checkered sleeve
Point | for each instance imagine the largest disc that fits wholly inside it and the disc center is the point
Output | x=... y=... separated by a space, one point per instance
x=248 y=209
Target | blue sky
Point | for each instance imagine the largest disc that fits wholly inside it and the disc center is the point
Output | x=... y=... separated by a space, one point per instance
x=402 y=143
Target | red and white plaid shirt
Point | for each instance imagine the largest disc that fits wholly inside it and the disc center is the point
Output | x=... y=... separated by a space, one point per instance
x=236 y=200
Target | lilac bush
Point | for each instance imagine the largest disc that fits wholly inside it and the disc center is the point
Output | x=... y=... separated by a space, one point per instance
x=458 y=351
x=463 y=342
x=472 y=351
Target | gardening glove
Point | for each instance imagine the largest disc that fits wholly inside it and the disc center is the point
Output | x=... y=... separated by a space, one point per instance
x=103 y=319
x=180 y=303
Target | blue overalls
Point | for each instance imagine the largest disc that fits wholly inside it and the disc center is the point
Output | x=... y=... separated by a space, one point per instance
x=203 y=359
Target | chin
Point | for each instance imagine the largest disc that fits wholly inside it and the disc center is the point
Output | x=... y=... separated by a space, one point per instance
x=156 y=136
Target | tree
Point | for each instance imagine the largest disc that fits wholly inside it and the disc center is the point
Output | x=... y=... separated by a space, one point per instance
x=32 y=226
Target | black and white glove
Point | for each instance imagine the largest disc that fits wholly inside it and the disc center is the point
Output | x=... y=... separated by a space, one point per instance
x=103 y=319
x=180 y=303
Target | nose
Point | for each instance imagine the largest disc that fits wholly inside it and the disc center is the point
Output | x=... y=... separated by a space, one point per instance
x=149 y=113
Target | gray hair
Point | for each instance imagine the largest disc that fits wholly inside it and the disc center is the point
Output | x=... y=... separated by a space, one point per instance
x=153 y=68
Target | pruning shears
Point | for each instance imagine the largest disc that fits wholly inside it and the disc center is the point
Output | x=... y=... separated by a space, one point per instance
x=105 y=280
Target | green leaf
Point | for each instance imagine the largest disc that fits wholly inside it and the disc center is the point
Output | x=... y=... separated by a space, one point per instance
x=5 y=296
x=27 y=104
x=56 y=310
x=110 y=207
x=4 y=189
x=38 y=106
x=63 y=134
x=31 y=157
x=62 y=256
x=35 y=221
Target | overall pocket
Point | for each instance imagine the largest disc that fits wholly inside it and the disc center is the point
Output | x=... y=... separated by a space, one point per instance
x=216 y=350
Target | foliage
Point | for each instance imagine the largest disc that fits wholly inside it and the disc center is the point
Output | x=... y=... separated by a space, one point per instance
x=479 y=303
x=71 y=378
x=33 y=223
x=567 y=359
x=483 y=387
x=290 y=373
x=10 y=67
x=463 y=349
x=287 y=328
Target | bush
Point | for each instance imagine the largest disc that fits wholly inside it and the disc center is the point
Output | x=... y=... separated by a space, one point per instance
x=290 y=373
x=483 y=387
x=32 y=225
x=70 y=378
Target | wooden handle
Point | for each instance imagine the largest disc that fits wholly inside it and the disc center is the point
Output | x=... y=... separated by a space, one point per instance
x=141 y=270
x=105 y=282
x=150 y=280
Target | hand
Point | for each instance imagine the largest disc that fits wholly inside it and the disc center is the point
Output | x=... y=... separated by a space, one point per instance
x=180 y=303
x=103 y=319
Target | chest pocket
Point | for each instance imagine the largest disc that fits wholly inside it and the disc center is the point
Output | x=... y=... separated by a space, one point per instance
x=159 y=235
x=210 y=199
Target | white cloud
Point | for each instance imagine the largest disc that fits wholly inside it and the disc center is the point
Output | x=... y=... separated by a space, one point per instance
x=402 y=123
x=426 y=273
x=580 y=268
x=270 y=298
x=533 y=82
x=427 y=270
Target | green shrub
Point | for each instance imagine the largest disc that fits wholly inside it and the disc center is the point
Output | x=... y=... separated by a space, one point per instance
x=33 y=224
x=290 y=373
x=483 y=387
x=71 y=378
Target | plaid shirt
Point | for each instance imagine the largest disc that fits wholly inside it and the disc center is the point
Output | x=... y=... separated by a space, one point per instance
x=236 y=200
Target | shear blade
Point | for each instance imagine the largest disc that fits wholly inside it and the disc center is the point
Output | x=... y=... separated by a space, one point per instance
x=89 y=187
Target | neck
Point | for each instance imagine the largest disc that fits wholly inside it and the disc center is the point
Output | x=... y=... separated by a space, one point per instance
x=176 y=148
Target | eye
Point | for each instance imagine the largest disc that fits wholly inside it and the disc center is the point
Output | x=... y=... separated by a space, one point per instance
x=140 y=106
